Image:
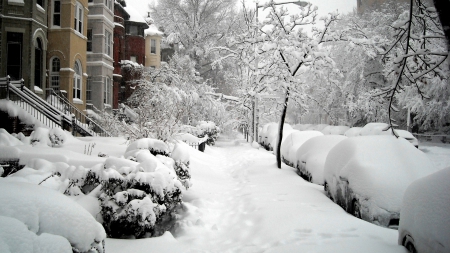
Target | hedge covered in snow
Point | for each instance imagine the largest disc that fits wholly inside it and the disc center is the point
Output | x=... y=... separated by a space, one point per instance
x=135 y=195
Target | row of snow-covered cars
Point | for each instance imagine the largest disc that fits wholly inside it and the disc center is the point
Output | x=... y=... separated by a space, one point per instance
x=373 y=176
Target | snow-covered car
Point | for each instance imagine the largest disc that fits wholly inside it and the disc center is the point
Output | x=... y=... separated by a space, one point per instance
x=312 y=156
x=408 y=136
x=368 y=175
x=335 y=130
x=425 y=216
x=292 y=143
x=380 y=129
x=353 y=132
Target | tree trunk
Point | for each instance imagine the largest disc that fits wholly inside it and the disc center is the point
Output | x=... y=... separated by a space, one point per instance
x=442 y=8
x=280 y=128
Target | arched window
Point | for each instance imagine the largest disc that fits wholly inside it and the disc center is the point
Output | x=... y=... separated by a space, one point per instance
x=77 y=83
x=55 y=66
x=38 y=63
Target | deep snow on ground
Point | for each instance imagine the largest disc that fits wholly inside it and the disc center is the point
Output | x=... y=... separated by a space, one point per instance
x=240 y=202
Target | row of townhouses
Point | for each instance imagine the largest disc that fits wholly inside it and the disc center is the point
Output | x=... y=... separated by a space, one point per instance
x=76 y=47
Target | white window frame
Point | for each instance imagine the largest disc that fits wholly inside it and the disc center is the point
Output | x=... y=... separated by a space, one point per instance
x=107 y=91
x=54 y=74
x=108 y=42
x=108 y=4
x=152 y=46
x=79 y=16
x=77 y=81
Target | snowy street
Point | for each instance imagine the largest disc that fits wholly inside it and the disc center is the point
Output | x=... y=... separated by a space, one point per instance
x=240 y=202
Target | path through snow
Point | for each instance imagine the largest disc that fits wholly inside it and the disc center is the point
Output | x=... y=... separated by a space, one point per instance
x=240 y=202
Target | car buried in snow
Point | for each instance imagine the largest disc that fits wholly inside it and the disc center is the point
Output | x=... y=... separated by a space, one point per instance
x=368 y=175
x=425 y=217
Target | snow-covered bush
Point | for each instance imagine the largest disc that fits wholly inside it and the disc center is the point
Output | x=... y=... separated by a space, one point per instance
x=156 y=147
x=54 y=137
x=57 y=137
x=45 y=211
x=40 y=136
x=208 y=128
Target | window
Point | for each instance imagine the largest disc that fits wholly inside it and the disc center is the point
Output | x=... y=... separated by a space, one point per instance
x=107 y=43
x=89 y=40
x=133 y=58
x=14 y=55
x=77 y=81
x=107 y=91
x=133 y=30
x=153 y=46
x=108 y=4
x=55 y=66
x=57 y=13
x=38 y=57
x=89 y=90
x=40 y=2
x=78 y=25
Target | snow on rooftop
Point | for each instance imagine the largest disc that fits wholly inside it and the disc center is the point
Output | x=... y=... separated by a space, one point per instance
x=135 y=16
x=152 y=30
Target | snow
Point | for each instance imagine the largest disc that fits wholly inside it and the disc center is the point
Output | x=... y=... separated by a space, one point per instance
x=335 y=130
x=378 y=169
x=189 y=138
x=353 y=132
x=311 y=156
x=148 y=143
x=375 y=129
x=48 y=211
x=425 y=214
x=152 y=30
x=181 y=152
x=134 y=15
x=238 y=202
x=16 y=238
x=15 y=111
x=293 y=142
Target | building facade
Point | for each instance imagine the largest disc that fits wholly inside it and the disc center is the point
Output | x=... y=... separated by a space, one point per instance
x=120 y=15
x=23 y=44
x=66 y=52
x=152 y=45
x=100 y=30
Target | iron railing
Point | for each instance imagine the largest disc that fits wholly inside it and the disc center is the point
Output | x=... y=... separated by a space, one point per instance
x=82 y=122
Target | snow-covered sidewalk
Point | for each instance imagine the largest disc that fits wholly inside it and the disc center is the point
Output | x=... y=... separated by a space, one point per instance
x=240 y=202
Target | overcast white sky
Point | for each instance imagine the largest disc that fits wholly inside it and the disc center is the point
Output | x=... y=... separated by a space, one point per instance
x=325 y=6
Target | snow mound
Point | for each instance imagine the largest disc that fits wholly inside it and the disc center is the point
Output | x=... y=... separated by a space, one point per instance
x=48 y=211
x=155 y=146
x=15 y=237
x=311 y=156
x=8 y=140
x=425 y=213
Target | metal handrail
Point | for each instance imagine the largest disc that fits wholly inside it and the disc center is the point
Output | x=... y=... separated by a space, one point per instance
x=32 y=107
x=82 y=121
